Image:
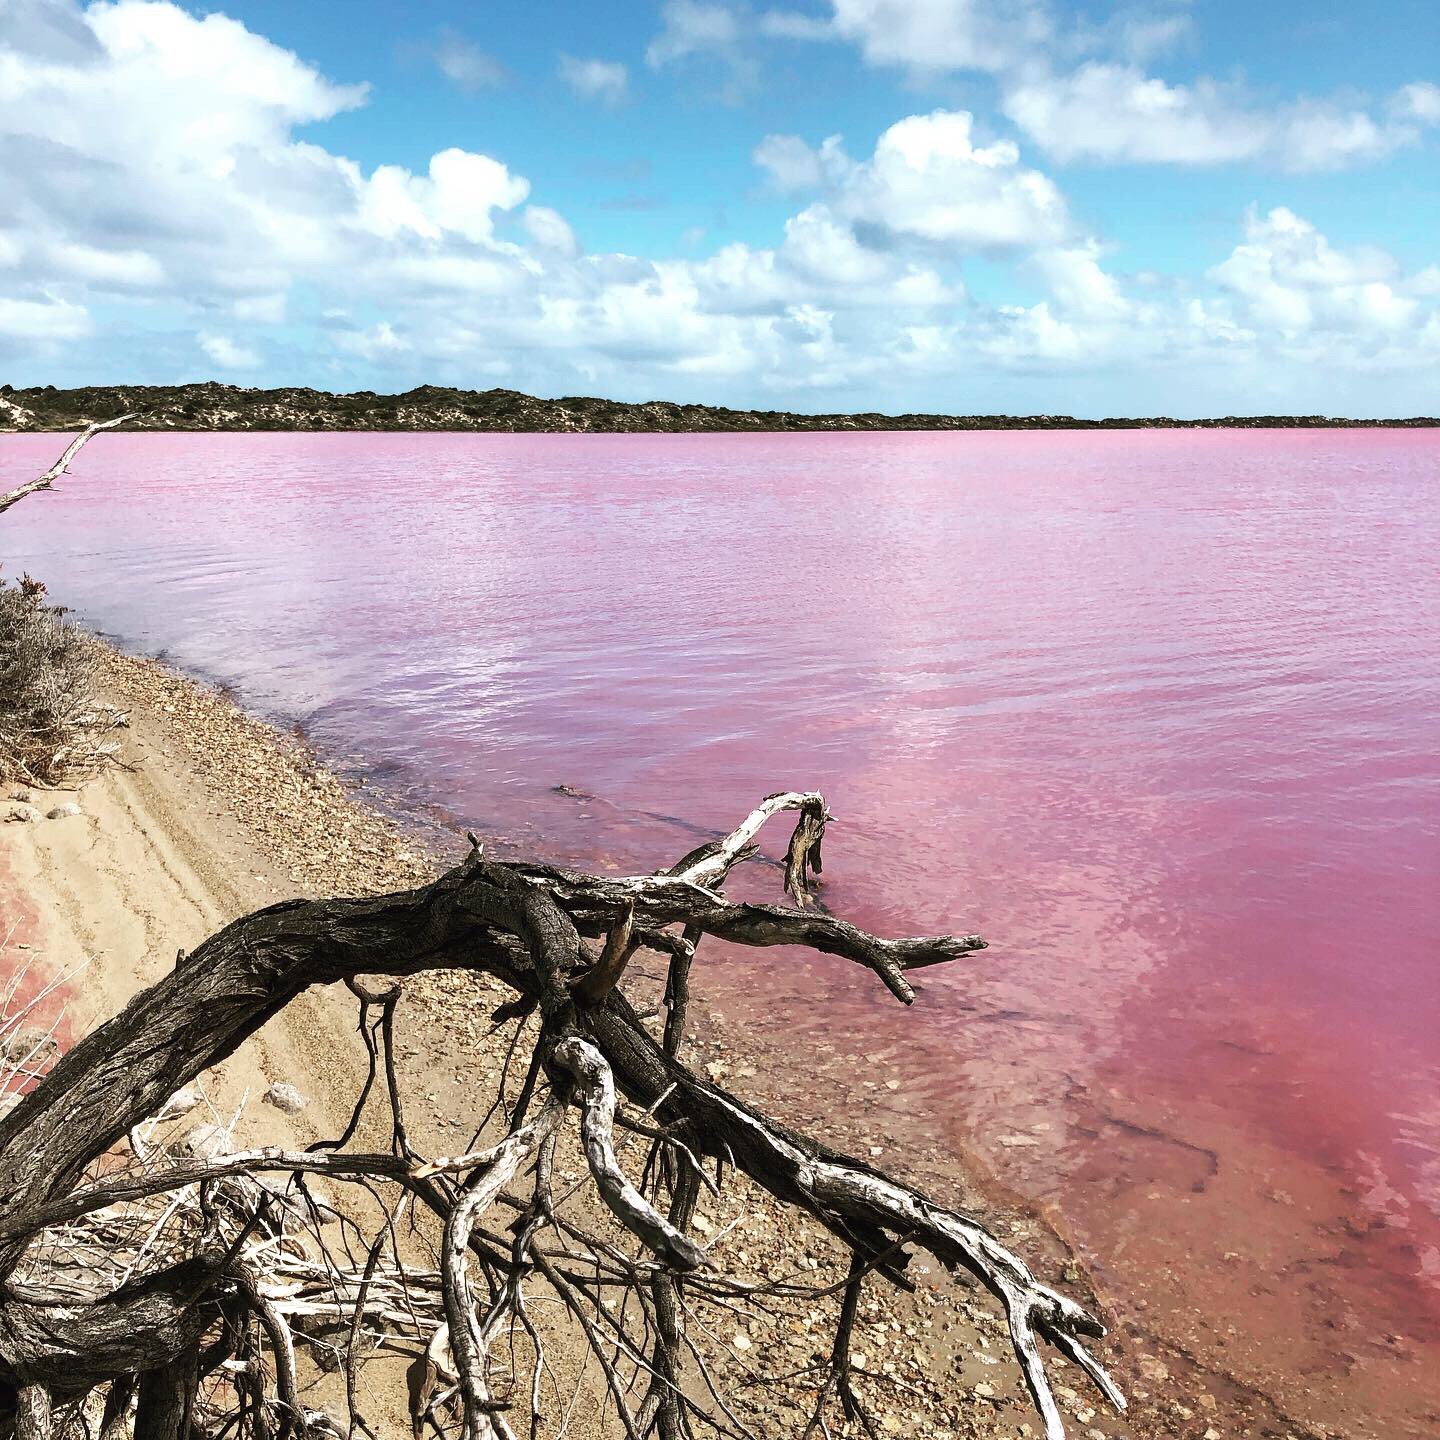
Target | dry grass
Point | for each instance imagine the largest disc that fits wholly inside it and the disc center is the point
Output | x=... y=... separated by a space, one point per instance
x=52 y=728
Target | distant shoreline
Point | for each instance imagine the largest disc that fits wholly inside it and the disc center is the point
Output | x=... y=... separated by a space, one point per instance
x=210 y=406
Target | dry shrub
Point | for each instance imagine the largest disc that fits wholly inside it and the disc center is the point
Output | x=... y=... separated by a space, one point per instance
x=51 y=726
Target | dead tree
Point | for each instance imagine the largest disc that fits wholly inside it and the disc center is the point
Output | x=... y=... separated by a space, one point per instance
x=172 y=1325
x=161 y=1293
x=48 y=479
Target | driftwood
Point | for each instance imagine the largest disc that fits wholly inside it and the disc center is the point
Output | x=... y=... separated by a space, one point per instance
x=48 y=479
x=188 y=1327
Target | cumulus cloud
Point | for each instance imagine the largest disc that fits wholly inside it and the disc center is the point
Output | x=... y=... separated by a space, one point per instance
x=1286 y=277
x=460 y=195
x=1109 y=108
x=200 y=200
x=550 y=231
x=928 y=181
x=1285 y=308
x=793 y=165
x=604 y=80
x=1078 y=282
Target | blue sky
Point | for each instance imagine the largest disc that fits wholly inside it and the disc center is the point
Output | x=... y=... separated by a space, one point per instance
x=968 y=205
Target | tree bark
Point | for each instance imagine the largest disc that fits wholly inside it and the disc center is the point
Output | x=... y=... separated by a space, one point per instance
x=166 y=1397
x=32 y=1413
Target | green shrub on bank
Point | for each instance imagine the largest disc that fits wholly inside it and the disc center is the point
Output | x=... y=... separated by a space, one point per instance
x=50 y=723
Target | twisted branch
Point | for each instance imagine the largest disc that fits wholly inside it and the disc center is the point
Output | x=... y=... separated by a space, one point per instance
x=522 y=924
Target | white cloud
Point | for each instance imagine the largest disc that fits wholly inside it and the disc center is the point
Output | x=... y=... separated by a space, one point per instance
x=1286 y=277
x=825 y=250
x=550 y=231
x=792 y=25
x=1118 y=113
x=705 y=31
x=47 y=319
x=105 y=269
x=604 y=80
x=692 y=27
x=1418 y=102
x=989 y=35
x=1316 y=135
x=379 y=343
x=227 y=354
x=793 y=165
x=928 y=181
x=260 y=309
x=460 y=195
x=1141 y=35
x=1033 y=335
x=240 y=85
x=1079 y=284
x=147 y=147
x=1111 y=109
x=465 y=65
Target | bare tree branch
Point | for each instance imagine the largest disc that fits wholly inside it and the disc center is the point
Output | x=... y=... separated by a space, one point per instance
x=208 y=1264
x=48 y=479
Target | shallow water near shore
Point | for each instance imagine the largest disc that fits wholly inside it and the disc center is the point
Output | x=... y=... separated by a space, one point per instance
x=1155 y=712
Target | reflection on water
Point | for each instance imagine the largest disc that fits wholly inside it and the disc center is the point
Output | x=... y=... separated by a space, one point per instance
x=1153 y=711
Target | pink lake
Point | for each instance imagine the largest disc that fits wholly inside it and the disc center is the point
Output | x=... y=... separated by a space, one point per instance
x=1156 y=712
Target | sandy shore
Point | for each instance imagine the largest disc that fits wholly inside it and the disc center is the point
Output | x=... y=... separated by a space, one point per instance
x=214 y=813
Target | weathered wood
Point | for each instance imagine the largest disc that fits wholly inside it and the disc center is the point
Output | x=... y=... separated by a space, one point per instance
x=166 y=1395
x=522 y=924
x=597 y=1129
x=48 y=479
x=33 y=1418
x=470 y=1337
x=619 y=947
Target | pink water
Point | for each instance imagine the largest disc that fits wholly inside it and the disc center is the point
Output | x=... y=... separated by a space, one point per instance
x=1154 y=711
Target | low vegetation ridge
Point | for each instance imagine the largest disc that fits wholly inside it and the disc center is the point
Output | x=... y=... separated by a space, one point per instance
x=212 y=406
